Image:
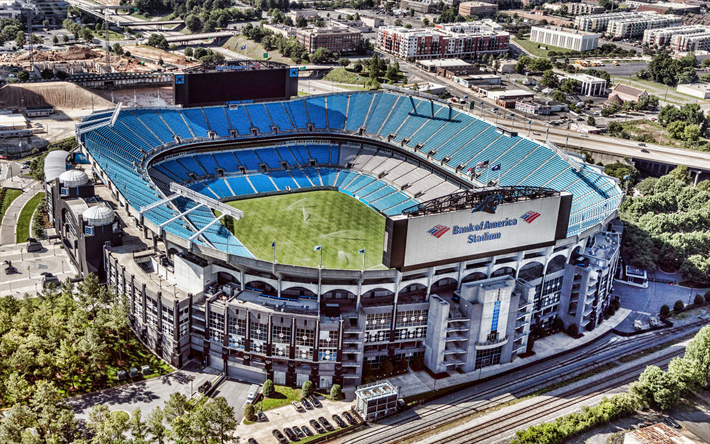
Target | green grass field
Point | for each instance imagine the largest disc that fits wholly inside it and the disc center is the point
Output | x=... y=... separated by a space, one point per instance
x=300 y=221
x=25 y=217
x=10 y=195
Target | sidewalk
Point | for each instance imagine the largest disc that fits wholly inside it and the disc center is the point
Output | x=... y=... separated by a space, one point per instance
x=9 y=222
x=414 y=383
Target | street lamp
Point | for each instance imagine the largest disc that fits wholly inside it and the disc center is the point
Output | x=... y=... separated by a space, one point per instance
x=529 y=126
x=512 y=119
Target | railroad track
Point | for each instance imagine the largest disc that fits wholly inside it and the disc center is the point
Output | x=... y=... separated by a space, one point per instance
x=551 y=405
x=455 y=410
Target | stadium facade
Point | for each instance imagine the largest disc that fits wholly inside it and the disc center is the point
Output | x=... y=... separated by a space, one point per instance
x=489 y=235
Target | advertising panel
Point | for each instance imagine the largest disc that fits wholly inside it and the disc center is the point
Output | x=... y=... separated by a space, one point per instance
x=488 y=229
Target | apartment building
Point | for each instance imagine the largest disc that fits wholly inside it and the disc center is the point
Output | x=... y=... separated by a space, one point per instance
x=467 y=9
x=692 y=42
x=625 y=24
x=462 y=40
x=662 y=37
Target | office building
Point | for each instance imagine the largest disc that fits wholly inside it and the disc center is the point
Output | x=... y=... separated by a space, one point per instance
x=335 y=39
x=625 y=24
x=564 y=38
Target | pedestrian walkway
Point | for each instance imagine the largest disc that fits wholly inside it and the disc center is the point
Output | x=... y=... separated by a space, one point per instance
x=30 y=188
x=414 y=383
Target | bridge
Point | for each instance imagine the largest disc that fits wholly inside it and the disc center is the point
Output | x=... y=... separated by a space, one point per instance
x=202 y=36
x=101 y=11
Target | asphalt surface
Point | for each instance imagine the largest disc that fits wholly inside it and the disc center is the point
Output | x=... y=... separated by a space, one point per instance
x=624 y=69
x=145 y=395
x=235 y=393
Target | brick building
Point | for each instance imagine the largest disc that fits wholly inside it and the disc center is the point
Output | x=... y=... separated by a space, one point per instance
x=334 y=39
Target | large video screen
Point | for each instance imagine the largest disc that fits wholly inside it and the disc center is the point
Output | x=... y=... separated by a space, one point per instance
x=484 y=231
x=234 y=86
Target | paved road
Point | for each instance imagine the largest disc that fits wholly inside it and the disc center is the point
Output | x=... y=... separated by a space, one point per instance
x=235 y=393
x=7 y=231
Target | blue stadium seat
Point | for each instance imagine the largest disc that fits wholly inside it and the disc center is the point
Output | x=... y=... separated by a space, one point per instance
x=218 y=120
x=269 y=157
x=298 y=113
x=360 y=103
x=226 y=161
x=248 y=159
x=320 y=153
x=377 y=117
x=196 y=119
x=176 y=123
x=301 y=179
x=283 y=179
x=336 y=105
x=239 y=185
x=261 y=183
x=260 y=118
x=279 y=116
x=239 y=120
x=316 y=111
x=207 y=162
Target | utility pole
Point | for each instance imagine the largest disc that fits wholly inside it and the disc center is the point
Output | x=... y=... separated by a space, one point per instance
x=29 y=37
x=108 y=42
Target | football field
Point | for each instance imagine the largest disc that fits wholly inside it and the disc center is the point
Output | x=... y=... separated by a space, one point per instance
x=300 y=221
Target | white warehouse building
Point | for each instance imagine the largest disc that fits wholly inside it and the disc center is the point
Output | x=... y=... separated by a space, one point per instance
x=563 y=38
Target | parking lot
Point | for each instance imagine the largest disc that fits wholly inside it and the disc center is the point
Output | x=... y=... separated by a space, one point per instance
x=29 y=267
x=287 y=416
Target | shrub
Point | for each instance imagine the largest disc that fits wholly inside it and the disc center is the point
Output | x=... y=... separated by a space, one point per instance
x=707 y=296
x=665 y=310
x=336 y=392
x=573 y=330
x=268 y=389
x=307 y=389
x=678 y=306
x=250 y=413
x=699 y=299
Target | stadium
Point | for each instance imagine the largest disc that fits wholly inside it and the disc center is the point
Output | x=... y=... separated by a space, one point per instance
x=316 y=238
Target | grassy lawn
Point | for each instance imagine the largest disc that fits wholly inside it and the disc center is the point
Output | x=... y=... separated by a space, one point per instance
x=532 y=48
x=667 y=94
x=342 y=75
x=658 y=133
x=10 y=195
x=282 y=396
x=341 y=224
x=23 y=221
x=254 y=50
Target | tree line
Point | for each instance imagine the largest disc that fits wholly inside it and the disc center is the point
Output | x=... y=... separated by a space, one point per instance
x=669 y=226
x=654 y=388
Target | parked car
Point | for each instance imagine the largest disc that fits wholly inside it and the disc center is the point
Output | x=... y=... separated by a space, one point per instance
x=306 y=404
x=307 y=431
x=349 y=418
x=338 y=420
x=671 y=422
x=536 y=133
x=655 y=322
x=316 y=425
x=326 y=424
x=297 y=430
x=315 y=401
x=638 y=325
x=252 y=441
x=262 y=417
x=279 y=436
x=297 y=406
x=292 y=436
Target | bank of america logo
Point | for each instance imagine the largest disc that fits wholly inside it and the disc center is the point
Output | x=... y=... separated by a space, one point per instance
x=530 y=216
x=438 y=231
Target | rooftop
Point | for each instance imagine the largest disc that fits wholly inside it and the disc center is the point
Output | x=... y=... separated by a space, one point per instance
x=565 y=30
x=376 y=390
x=586 y=78
x=444 y=62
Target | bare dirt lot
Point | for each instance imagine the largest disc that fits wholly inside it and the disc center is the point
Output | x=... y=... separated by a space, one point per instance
x=60 y=95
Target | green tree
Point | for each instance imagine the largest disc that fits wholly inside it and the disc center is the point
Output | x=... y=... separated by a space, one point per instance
x=646 y=187
x=47 y=74
x=678 y=306
x=549 y=79
x=65 y=38
x=336 y=392
x=155 y=426
x=20 y=39
x=344 y=62
x=591 y=121
x=222 y=423
x=158 y=41
x=118 y=49
x=665 y=311
x=250 y=413
x=307 y=389
x=697 y=353
x=657 y=388
x=23 y=76
x=55 y=40
x=268 y=389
